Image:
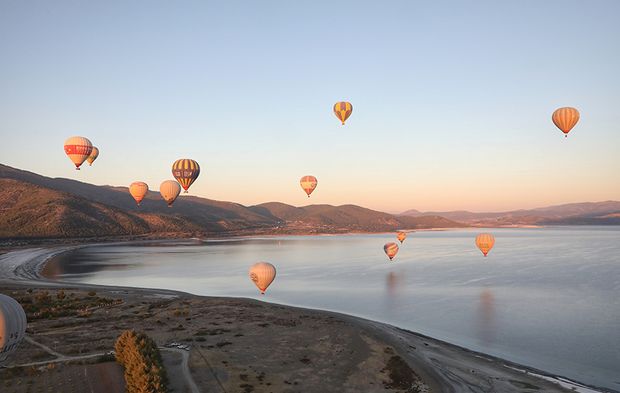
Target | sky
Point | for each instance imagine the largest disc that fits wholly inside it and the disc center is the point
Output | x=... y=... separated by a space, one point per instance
x=452 y=100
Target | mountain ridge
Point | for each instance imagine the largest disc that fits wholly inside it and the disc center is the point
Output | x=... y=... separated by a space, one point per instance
x=36 y=206
x=580 y=213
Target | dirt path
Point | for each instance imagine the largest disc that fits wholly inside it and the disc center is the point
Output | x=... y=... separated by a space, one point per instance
x=189 y=381
x=185 y=368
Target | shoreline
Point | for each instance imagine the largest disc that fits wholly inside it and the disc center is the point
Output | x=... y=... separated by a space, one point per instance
x=441 y=365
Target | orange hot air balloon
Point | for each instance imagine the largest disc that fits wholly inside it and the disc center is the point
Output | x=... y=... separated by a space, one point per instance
x=93 y=156
x=485 y=242
x=138 y=190
x=308 y=183
x=343 y=110
x=186 y=171
x=262 y=274
x=565 y=119
x=169 y=190
x=391 y=249
x=401 y=237
x=78 y=149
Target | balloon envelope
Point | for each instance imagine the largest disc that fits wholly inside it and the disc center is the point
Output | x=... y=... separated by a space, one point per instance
x=138 y=191
x=186 y=171
x=169 y=190
x=78 y=148
x=343 y=110
x=390 y=249
x=401 y=236
x=12 y=326
x=485 y=242
x=93 y=156
x=262 y=275
x=565 y=119
x=308 y=183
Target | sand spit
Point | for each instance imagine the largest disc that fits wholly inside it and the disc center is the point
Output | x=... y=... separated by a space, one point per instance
x=241 y=345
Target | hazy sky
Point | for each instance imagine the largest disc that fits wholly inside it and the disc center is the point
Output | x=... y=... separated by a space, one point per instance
x=451 y=99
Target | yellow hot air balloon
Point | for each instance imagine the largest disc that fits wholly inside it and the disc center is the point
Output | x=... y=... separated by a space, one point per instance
x=12 y=326
x=485 y=242
x=78 y=149
x=186 y=171
x=169 y=190
x=390 y=249
x=262 y=275
x=401 y=237
x=93 y=156
x=308 y=183
x=343 y=110
x=138 y=191
x=565 y=119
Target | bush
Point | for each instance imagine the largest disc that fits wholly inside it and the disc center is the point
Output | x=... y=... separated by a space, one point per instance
x=140 y=357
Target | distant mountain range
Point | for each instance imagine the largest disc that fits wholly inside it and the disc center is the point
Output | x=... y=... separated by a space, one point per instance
x=587 y=213
x=35 y=206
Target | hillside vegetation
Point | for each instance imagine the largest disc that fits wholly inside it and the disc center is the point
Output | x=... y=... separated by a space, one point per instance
x=34 y=206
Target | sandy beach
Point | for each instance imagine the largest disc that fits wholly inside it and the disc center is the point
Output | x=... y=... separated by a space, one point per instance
x=235 y=345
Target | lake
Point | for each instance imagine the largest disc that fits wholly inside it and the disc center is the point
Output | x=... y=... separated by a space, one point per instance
x=548 y=298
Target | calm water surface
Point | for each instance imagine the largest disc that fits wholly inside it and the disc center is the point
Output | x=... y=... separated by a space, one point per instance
x=547 y=298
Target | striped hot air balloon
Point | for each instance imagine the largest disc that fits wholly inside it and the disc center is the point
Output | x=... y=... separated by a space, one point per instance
x=186 y=171
x=262 y=275
x=12 y=326
x=308 y=183
x=565 y=119
x=485 y=242
x=390 y=249
x=93 y=156
x=138 y=190
x=78 y=149
x=169 y=190
x=343 y=110
x=401 y=236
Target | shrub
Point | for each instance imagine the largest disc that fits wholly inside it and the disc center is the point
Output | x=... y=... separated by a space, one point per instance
x=140 y=357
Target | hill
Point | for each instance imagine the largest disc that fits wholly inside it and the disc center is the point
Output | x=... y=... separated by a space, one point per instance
x=29 y=210
x=35 y=206
x=345 y=218
x=587 y=213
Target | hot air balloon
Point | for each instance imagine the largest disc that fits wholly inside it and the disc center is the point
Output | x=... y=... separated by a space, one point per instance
x=186 y=171
x=308 y=183
x=262 y=274
x=138 y=190
x=485 y=242
x=93 y=156
x=169 y=190
x=391 y=249
x=343 y=110
x=78 y=149
x=12 y=326
x=401 y=237
x=565 y=119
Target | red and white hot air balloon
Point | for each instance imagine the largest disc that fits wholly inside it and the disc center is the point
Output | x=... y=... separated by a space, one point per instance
x=308 y=183
x=78 y=148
